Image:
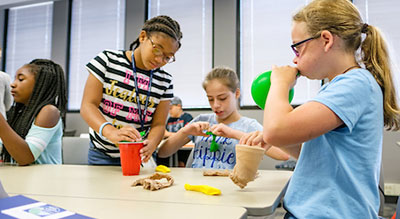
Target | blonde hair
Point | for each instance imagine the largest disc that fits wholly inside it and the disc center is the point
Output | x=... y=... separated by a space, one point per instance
x=225 y=75
x=343 y=19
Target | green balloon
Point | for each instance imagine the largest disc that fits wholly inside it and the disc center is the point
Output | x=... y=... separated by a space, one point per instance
x=260 y=89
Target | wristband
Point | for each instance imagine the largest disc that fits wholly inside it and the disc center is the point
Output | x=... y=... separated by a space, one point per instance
x=102 y=127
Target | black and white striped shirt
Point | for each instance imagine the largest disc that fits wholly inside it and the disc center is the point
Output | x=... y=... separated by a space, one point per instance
x=118 y=104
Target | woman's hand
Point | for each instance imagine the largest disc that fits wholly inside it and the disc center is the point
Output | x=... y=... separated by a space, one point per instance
x=284 y=74
x=196 y=128
x=126 y=133
x=225 y=131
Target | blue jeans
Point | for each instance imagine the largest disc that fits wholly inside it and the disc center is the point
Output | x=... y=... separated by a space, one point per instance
x=96 y=157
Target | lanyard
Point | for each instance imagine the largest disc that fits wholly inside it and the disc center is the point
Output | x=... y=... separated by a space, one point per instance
x=142 y=117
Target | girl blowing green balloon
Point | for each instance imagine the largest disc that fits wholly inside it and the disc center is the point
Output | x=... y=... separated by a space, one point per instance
x=337 y=136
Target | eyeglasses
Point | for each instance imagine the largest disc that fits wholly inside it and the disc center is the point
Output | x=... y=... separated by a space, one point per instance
x=157 y=52
x=294 y=46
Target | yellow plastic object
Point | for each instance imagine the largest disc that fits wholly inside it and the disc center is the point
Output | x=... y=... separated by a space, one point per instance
x=208 y=190
x=163 y=169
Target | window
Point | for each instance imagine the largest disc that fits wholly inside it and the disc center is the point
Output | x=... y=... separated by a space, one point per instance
x=96 y=25
x=29 y=35
x=385 y=16
x=194 y=58
x=265 y=39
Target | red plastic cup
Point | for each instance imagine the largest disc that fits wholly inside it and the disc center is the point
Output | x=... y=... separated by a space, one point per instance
x=130 y=157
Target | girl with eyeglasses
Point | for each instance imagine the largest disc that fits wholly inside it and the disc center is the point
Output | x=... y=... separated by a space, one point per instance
x=338 y=168
x=127 y=95
x=222 y=88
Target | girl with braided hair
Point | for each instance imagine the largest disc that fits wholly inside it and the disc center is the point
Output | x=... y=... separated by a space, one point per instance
x=127 y=94
x=338 y=167
x=34 y=130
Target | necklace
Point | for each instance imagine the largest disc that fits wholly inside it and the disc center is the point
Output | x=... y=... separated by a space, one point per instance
x=142 y=115
x=348 y=69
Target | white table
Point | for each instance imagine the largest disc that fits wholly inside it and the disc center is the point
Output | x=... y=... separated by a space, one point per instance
x=260 y=197
x=110 y=208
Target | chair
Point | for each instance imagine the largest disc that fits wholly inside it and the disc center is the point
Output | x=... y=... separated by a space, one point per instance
x=69 y=132
x=398 y=208
x=173 y=160
x=75 y=150
x=381 y=191
x=3 y=193
x=190 y=159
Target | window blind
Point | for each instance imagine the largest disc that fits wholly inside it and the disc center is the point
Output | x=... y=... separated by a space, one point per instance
x=265 y=39
x=385 y=16
x=29 y=35
x=194 y=58
x=96 y=25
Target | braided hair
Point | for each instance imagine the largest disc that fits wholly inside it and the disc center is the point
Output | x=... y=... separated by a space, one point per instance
x=49 y=88
x=161 y=23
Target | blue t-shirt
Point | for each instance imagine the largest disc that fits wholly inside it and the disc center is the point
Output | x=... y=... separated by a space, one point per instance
x=45 y=143
x=175 y=124
x=337 y=174
x=225 y=156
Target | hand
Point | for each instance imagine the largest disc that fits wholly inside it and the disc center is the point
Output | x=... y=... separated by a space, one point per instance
x=196 y=128
x=284 y=74
x=126 y=133
x=254 y=139
x=168 y=134
x=147 y=151
x=223 y=130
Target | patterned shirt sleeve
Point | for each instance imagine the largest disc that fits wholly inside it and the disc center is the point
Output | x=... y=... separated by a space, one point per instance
x=98 y=66
x=169 y=93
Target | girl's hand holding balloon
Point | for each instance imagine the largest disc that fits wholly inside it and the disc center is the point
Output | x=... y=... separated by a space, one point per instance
x=196 y=128
x=260 y=89
x=284 y=74
x=225 y=131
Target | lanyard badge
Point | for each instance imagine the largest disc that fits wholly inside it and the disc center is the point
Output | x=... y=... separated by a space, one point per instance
x=142 y=115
